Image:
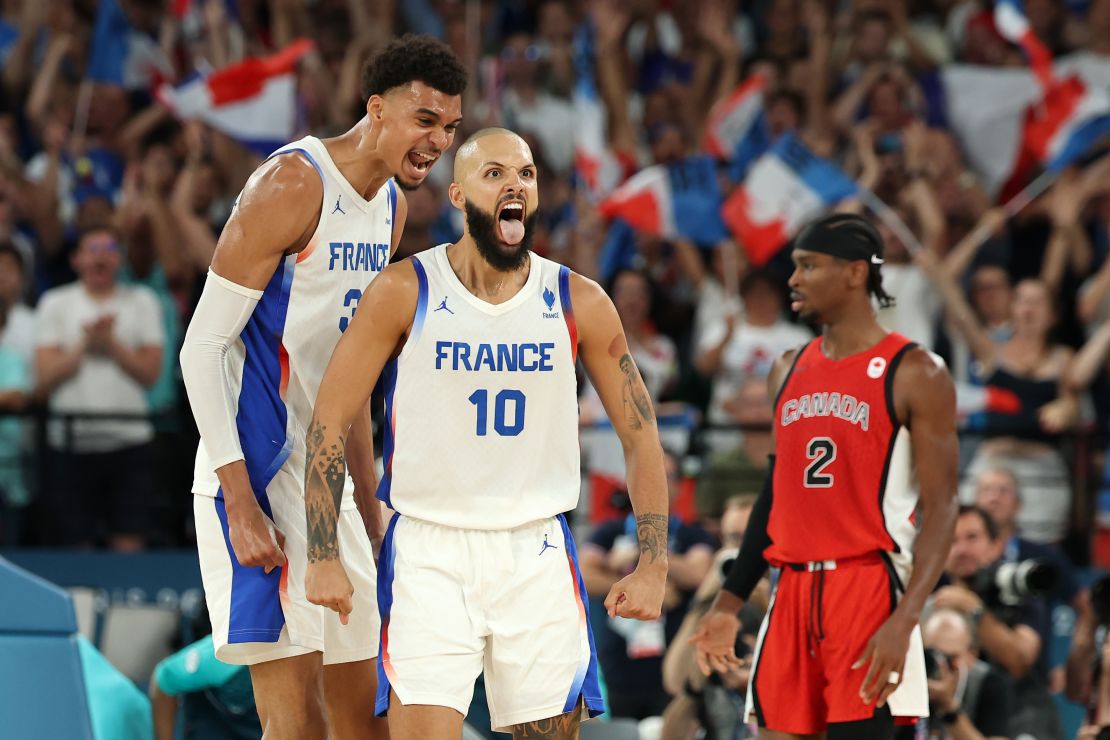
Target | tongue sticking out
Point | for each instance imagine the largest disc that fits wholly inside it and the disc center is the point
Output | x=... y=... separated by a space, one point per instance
x=512 y=230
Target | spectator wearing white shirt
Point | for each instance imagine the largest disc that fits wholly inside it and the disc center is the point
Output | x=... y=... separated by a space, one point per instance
x=741 y=346
x=99 y=347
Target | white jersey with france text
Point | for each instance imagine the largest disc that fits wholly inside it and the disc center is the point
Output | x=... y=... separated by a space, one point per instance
x=278 y=363
x=482 y=402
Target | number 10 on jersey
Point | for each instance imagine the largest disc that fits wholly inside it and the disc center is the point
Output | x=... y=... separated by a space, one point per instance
x=501 y=413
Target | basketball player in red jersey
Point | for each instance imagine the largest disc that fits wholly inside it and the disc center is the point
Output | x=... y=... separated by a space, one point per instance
x=857 y=412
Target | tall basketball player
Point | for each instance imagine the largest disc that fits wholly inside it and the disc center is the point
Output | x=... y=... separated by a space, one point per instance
x=314 y=225
x=478 y=343
x=859 y=414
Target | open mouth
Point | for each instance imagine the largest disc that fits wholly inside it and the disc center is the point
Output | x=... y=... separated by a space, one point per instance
x=510 y=221
x=421 y=162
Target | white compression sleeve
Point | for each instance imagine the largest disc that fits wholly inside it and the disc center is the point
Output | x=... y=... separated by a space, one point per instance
x=223 y=311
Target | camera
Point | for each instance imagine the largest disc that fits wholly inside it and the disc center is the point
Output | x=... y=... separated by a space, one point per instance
x=933 y=660
x=1012 y=584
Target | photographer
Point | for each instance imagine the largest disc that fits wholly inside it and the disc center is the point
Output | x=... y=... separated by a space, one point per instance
x=1006 y=629
x=968 y=699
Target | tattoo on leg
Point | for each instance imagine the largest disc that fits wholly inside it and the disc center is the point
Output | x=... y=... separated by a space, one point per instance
x=651 y=531
x=637 y=405
x=325 y=474
x=563 y=727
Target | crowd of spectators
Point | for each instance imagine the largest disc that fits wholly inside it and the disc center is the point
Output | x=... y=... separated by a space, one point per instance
x=110 y=209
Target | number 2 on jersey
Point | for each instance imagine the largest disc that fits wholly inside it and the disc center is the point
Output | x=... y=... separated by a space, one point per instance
x=821 y=451
x=480 y=399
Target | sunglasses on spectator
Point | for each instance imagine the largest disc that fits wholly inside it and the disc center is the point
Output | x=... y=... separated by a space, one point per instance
x=532 y=53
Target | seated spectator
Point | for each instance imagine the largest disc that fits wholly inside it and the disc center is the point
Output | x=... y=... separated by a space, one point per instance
x=968 y=698
x=1008 y=635
x=99 y=347
x=631 y=651
x=194 y=696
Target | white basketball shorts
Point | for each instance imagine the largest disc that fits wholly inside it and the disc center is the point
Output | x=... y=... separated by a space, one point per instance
x=510 y=603
x=258 y=617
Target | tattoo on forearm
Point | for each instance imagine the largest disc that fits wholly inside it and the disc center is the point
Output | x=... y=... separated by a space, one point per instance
x=325 y=474
x=651 y=531
x=563 y=727
x=637 y=405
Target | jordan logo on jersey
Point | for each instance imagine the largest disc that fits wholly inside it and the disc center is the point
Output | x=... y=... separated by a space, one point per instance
x=844 y=407
x=443 y=307
x=547 y=546
x=549 y=299
x=337 y=209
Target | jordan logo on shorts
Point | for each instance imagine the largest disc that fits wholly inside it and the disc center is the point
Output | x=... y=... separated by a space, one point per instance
x=547 y=546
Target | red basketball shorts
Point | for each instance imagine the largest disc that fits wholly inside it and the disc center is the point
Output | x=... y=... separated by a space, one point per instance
x=819 y=622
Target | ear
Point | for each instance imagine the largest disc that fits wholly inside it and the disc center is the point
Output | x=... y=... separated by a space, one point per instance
x=455 y=195
x=858 y=272
x=375 y=107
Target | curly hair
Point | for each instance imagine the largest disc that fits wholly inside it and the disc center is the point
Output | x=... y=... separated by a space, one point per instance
x=414 y=58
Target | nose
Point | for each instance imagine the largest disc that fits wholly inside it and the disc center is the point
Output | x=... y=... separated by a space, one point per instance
x=795 y=278
x=440 y=139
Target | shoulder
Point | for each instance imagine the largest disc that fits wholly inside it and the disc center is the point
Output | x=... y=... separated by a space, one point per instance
x=285 y=190
x=59 y=296
x=398 y=281
x=585 y=292
x=919 y=365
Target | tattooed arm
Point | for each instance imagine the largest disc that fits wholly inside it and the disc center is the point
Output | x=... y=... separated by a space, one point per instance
x=605 y=354
x=373 y=336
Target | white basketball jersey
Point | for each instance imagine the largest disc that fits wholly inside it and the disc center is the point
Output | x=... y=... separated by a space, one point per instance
x=482 y=402
x=278 y=363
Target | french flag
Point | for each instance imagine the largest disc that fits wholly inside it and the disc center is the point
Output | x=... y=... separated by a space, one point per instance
x=121 y=55
x=737 y=128
x=253 y=101
x=600 y=169
x=1013 y=24
x=975 y=399
x=785 y=189
x=681 y=199
x=1069 y=121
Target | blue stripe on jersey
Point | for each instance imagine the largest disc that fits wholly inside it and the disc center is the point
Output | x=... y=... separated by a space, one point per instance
x=255 y=611
x=262 y=417
x=389 y=383
x=421 y=301
x=386 y=569
x=308 y=156
x=564 y=292
x=392 y=208
x=585 y=683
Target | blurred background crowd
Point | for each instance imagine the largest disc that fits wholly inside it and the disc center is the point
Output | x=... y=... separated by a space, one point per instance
x=111 y=205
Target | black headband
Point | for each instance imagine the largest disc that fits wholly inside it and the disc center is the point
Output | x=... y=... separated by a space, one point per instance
x=843 y=235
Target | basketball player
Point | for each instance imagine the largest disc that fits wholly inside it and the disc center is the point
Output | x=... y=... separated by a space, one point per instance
x=314 y=225
x=478 y=342
x=857 y=412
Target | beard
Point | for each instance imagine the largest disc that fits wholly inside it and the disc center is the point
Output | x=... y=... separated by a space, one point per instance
x=502 y=257
x=407 y=186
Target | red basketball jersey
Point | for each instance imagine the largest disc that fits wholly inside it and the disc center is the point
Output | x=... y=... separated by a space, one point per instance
x=842 y=483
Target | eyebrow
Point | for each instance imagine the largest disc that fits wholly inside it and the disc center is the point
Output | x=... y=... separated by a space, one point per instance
x=435 y=115
x=530 y=164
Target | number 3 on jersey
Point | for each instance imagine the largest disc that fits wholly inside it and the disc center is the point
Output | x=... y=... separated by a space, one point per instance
x=821 y=451
x=480 y=399
x=354 y=295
